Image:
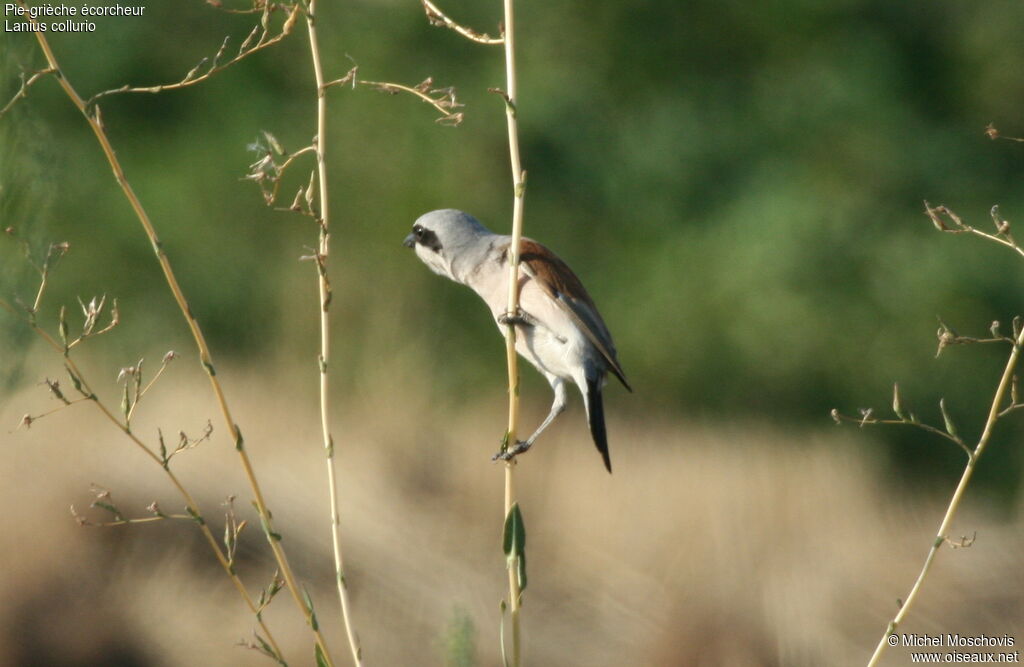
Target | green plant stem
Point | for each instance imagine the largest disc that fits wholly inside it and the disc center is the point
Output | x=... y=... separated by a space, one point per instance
x=273 y=538
x=954 y=503
x=519 y=187
x=325 y=302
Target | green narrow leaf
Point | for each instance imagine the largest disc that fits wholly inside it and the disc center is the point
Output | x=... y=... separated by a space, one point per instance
x=950 y=426
x=897 y=405
x=126 y=405
x=309 y=607
x=514 y=543
x=264 y=646
x=521 y=572
x=276 y=537
x=321 y=659
x=501 y=635
x=74 y=379
x=110 y=508
x=514 y=537
x=163 y=448
x=62 y=327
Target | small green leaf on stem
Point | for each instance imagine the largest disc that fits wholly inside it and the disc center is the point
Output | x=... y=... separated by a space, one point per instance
x=271 y=535
x=501 y=634
x=950 y=426
x=312 y=613
x=510 y=106
x=514 y=543
x=109 y=508
x=54 y=388
x=74 y=379
x=265 y=648
x=62 y=328
x=126 y=406
x=195 y=515
x=897 y=404
x=164 y=459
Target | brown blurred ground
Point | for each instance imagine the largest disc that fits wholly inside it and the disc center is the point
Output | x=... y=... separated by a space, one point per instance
x=712 y=544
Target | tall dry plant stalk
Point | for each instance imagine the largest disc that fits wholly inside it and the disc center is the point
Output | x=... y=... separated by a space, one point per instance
x=92 y=114
x=312 y=201
x=514 y=542
x=514 y=532
x=324 y=287
x=1004 y=401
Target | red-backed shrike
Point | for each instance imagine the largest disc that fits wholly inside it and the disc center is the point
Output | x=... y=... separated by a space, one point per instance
x=558 y=328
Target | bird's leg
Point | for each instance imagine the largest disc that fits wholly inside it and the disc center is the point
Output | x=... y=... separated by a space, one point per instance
x=557 y=407
x=520 y=317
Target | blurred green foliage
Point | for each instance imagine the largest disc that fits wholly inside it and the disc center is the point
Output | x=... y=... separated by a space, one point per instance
x=739 y=184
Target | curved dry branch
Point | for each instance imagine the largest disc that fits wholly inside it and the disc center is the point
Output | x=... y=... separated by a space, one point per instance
x=25 y=85
x=440 y=19
x=1002 y=235
x=259 y=38
x=442 y=99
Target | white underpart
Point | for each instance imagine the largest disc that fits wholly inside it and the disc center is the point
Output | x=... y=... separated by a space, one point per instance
x=551 y=341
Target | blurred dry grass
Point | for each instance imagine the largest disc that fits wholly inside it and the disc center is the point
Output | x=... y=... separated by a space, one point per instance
x=712 y=544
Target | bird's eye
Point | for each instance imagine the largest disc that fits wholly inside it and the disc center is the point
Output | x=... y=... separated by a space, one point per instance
x=418 y=231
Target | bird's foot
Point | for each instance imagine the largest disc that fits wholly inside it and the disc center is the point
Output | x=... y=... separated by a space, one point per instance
x=513 y=451
x=519 y=318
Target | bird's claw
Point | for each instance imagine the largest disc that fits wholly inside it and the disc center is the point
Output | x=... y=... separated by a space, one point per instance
x=518 y=318
x=513 y=451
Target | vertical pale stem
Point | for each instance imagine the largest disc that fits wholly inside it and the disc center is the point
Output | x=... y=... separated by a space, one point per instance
x=325 y=302
x=519 y=187
x=954 y=503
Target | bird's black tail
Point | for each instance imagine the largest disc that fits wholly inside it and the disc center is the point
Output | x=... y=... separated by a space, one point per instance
x=595 y=416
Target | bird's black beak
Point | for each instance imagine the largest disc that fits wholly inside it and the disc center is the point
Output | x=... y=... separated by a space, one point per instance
x=410 y=241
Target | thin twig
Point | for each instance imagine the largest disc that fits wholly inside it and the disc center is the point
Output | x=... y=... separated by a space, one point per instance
x=170 y=356
x=323 y=251
x=439 y=18
x=1002 y=235
x=273 y=538
x=993 y=133
x=445 y=103
x=247 y=48
x=28 y=420
x=23 y=89
x=871 y=421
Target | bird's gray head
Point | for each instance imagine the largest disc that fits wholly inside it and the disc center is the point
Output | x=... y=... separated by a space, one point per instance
x=446 y=238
